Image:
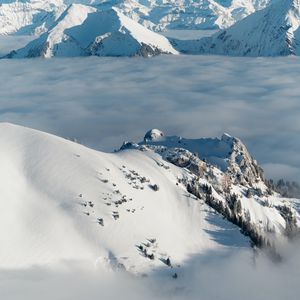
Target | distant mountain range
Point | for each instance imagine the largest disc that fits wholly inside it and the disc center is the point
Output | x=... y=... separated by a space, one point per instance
x=36 y=16
x=273 y=31
x=84 y=31
x=127 y=28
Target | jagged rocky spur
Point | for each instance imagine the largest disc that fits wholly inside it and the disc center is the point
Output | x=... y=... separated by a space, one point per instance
x=224 y=174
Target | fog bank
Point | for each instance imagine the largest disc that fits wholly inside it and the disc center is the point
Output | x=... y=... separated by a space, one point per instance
x=226 y=276
x=103 y=101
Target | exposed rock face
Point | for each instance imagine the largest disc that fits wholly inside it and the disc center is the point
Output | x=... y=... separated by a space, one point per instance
x=241 y=166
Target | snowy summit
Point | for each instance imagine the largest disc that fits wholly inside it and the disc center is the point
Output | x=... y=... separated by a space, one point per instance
x=84 y=31
x=153 y=134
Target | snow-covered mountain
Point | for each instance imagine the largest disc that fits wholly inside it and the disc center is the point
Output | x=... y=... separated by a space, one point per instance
x=148 y=206
x=83 y=31
x=36 y=16
x=177 y=14
x=273 y=31
x=233 y=178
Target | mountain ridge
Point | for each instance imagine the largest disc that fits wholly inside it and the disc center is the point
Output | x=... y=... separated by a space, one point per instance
x=29 y=16
x=239 y=176
x=64 y=201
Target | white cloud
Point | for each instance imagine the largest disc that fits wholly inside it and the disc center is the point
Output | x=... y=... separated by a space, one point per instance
x=103 y=101
x=278 y=171
x=237 y=275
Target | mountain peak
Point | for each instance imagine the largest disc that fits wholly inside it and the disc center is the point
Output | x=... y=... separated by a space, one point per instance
x=153 y=135
x=222 y=163
x=227 y=153
x=226 y=137
x=84 y=31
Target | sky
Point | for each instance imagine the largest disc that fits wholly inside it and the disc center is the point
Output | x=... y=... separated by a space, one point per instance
x=104 y=101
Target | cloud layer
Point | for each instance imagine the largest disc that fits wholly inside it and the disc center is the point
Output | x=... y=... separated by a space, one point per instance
x=227 y=276
x=103 y=101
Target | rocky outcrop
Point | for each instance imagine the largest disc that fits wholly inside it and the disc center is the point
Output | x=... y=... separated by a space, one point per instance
x=238 y=192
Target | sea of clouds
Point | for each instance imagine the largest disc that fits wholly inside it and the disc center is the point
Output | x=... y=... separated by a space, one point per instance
x=103 y=101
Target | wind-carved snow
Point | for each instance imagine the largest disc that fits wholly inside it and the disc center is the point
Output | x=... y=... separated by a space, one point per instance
x=83 y=31
x=63 y=201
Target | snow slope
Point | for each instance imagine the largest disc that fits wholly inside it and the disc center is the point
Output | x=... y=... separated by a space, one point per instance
x=55 y=191
x=62 y=201
x=83 y=31
x=273 y=31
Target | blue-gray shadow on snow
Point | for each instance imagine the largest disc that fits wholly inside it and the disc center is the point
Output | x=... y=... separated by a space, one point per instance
x=226 y=233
